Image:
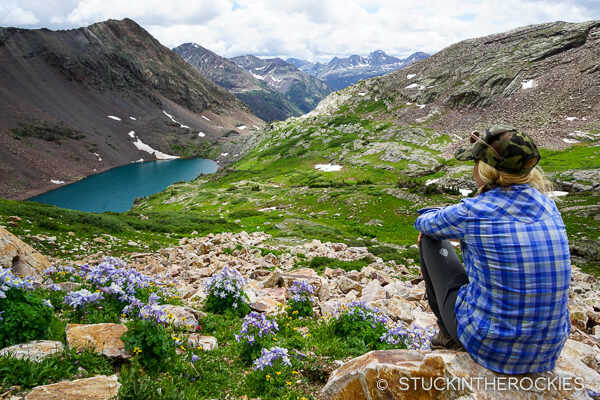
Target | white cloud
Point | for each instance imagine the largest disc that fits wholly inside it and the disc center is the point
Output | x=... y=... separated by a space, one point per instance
x=16 y=16
x=314 y=29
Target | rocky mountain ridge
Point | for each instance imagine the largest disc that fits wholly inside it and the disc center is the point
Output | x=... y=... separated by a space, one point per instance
x=303 y=90
x=81 y=101
x=343 y=72
x=541 y=78
x=266 y=102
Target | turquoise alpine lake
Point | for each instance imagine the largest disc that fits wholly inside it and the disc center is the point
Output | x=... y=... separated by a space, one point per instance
x=116 y=189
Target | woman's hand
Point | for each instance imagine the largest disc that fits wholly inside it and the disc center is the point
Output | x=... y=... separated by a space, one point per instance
x=419 y=239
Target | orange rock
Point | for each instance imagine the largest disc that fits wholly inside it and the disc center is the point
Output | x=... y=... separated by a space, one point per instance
x=96 y=388
x=104 y=338
x=445 y=375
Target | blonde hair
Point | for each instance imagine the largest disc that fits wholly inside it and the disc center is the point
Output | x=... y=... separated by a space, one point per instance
x=494 y=178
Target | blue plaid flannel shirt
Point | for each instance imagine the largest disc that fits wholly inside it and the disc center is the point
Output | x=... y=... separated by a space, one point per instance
x=512 y=315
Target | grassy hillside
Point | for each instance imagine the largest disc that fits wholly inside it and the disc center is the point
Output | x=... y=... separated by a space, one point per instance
x=372 y=200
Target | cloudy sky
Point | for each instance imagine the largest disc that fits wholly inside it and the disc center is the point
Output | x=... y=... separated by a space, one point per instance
x=308 y=29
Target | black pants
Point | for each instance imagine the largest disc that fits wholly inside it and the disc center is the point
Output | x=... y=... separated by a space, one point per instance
x=444 y=274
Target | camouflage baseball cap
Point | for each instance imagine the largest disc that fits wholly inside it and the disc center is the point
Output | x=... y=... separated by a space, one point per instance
x=503 y=147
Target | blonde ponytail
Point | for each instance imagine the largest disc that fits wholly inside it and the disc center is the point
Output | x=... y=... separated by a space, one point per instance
x=494 y=178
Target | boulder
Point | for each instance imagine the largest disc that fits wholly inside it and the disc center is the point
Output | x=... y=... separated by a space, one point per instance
x=95 y=388
x=274 y=279
x=445 y=375
x=265 y=304
x=207 y=343
x=346 y=284
x=104 y=338
x=306 y=274
x=181 y=317
x=20 y=257
x=33 y=351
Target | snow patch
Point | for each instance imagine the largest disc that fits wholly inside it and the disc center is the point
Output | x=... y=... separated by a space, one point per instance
x=224 y=154
x=571 y=118
x=159 y=155
x=557 y=193
x=431 y=181
x=132 y=134
x=415 y=86
x=570 y=141
x=268 y=209
x=57 y=182
x=421 y=106
x=255 y=127
x=201 y=134
x=131 y=118
x=527 y=84
x=262 y=78
x=410 y=76
x=328 y=167
x=177 y=122
x=98 y=155
x=242 y=127
x=113 y=117
x=362 y=94
x=205 y=118
x=465 y=192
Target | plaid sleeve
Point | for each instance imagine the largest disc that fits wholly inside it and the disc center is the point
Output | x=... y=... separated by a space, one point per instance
x=444 y=223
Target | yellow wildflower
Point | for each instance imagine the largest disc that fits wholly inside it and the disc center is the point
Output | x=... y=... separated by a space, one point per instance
x=278 y=372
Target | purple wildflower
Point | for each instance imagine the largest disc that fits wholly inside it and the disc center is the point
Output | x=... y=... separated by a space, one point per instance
x=256 y=325
x=81 y=298
x=269 y=357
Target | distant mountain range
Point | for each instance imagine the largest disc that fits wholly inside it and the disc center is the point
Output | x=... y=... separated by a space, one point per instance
x=343 y=72
x=78 y=102
x=272 y=88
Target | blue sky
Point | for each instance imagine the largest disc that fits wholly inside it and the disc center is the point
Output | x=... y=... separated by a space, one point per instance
x=309 y=29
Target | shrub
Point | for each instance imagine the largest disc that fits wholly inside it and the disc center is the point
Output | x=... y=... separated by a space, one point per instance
x=25 y=316
x=273 y=376
x=257 y=331
x=225 y=293
x=300 y=304
x=360 y=324
x=150 y=341
x=27 y=374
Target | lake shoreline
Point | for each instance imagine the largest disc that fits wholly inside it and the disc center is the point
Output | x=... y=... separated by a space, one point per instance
x=147 y=180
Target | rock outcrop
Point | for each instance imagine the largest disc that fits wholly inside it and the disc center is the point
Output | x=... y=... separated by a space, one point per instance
x=33 y=351
x=96 y=388
x=103 y=338
x=20 y=257
x=441 y=375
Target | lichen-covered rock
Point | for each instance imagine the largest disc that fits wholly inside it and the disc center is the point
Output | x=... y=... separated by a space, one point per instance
x=20 y=257
x=206 y=343
x=95 y=388
x=181 y=317
x=445 y=375
x=103 y=338
x=34 y=351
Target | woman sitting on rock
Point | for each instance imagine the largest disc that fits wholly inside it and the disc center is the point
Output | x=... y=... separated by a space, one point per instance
x=509 y=307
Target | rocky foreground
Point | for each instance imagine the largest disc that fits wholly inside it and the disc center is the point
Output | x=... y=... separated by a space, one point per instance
x=395 y=289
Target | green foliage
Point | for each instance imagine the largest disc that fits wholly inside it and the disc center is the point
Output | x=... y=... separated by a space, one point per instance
x=574 y=157
x=28 y=374
x=228 y=305
x=360 y=327
x=320 y=263
x=51 y=132
x=108 y=311
x=244 y=214
x=150 y=341
x=276 y=382
x=25 y=317
x=296 y=309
